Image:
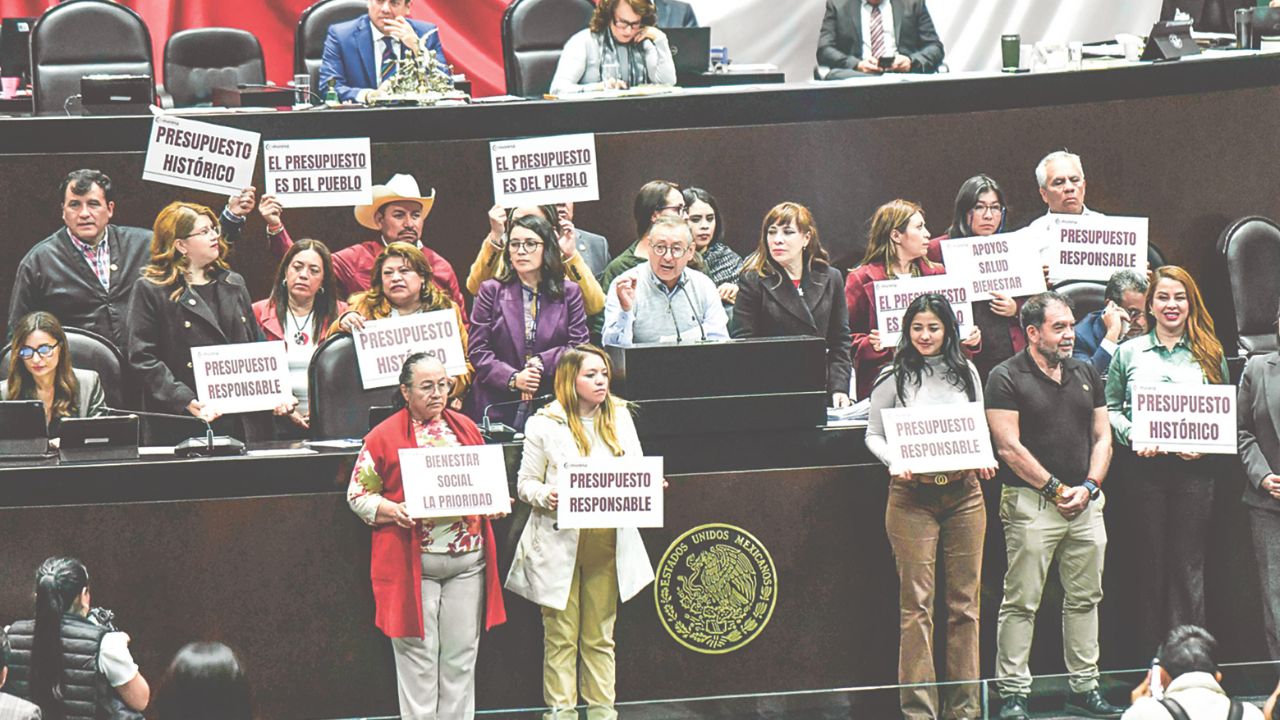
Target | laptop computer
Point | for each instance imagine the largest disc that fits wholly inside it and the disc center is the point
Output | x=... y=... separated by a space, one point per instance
x=1169 y=41
x=690 y=48
x=98 y=439
x=23 y=433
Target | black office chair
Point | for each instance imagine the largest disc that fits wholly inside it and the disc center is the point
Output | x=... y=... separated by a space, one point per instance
x=80 y=38
x=313 y=26
x=533 y=36
x=342 y=409
x=91 y=351
x=1085 y=295
x=1251 y=246
x=197 y=61
x=1155 y=256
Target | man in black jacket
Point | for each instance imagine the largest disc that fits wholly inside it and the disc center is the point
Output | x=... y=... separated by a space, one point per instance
x=84 y=272
x=855 y=34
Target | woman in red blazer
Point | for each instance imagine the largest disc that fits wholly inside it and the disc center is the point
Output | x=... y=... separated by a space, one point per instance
x=897 y=246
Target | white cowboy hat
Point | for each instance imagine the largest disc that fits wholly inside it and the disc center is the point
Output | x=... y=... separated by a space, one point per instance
x=399 y=188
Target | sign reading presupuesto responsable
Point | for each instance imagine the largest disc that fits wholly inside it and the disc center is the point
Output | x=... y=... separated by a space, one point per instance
x=333 y=172
x=1177 y=417
x=382 y=345
x=242 y=377
x=452 y=481
x=544 y=170
x=200 y=156
x=623 y=492
x=939 y=438
x=1092 y=247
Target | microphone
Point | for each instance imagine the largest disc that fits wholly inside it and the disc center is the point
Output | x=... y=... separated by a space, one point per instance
x=696 y=316
x=501 y=432
x=208 y=446
x=268 y=86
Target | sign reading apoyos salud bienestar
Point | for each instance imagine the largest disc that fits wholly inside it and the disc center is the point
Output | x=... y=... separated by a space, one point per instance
x=382 y=345
x=938 y=438
x=452 y=481
x=623 y=492
x=334 y=172
x=200 y=156
x=242 y=377
x=893 y=296
x=1177 y=417
x=544 y=170
x=1008 y=264
x=1092 y=247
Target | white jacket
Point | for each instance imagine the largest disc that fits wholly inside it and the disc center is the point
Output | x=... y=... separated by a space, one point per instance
x=542 y=570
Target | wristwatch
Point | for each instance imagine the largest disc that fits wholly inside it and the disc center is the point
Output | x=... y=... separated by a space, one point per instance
x=1093 y=488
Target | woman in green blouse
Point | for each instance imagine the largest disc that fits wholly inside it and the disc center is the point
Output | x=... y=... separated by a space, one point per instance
x=1175 y=489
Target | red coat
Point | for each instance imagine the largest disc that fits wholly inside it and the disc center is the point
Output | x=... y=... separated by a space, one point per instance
x=264 y=311
x=395 y=566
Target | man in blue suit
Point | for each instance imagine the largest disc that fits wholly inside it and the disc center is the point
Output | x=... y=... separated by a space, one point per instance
x=359 y=54
x=1100 y=332
x=675 y=14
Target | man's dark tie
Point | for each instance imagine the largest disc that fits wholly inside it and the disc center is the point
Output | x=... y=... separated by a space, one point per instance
x=388 y=60
x=877 y=30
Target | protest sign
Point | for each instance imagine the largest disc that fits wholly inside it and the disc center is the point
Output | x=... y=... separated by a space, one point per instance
x=382 y=345
x=318 y=173
x=893 y=296
x=544 y=171
x=1007 y=264
x=452 y=481
x=200 y=155
x=1177 y=417
x=242 y=377
x=1092 y=247
x=938 y=438
x=623 y=492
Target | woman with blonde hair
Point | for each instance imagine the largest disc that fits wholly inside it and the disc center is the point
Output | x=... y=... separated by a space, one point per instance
x=400 y=284
x=40 y=369
x=1176 y=487
x=897 y=245
x=188 y=297
x=577 y=576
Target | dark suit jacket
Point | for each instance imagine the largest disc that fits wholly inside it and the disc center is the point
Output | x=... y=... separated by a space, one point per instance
x=840 y=39
x=675 y=14
x=1257 y=420
x=594 y=250
x=349 y=57
x=497 y=349
x=1089 y=334
x=771 y=307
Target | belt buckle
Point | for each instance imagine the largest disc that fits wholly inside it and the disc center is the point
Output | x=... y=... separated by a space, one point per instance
x=941 y=479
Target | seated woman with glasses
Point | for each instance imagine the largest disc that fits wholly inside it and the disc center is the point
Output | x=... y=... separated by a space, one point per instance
x=400 y=284
x=40 y=369
x=621 y=48
x=188 y=298
x=522 y=321
x=663 y=300
x=980 y=211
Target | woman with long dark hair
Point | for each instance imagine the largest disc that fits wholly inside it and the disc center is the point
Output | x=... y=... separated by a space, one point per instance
x=941 y=512
x=204 y=682
x=719 y=261
x=522 y=321
x=74 y=665
x=302 y=306
x=1177 y=488
x=40 y=369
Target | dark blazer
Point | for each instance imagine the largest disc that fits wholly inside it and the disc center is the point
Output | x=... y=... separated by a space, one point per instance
x=771 y=307
x=496 y=347
x=163 y=331
x=594 y=250
x=840 y=39
x=675 y=14
x=1257 y=420
x=349 y=56
x=1089 y=334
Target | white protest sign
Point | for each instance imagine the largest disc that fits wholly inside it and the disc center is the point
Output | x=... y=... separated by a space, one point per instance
x=200 y=155
x=453 y=481
x=318 y=173
x=893 y=296
x=382 y=345
x=544 y=171
x=623 y=492
x=1008 y=264
x=242 y=377
x=1176 y=417
x=939 y=438
x=1092 y=247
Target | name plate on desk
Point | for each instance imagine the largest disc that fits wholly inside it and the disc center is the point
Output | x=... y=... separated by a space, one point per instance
x=447 y=482
x=1092 y=247
x=1176 y=417
x=382 y=345
x=621 y=492
x=939 y=438
x=242 y=377
x=1008 y=264
x=893 y=296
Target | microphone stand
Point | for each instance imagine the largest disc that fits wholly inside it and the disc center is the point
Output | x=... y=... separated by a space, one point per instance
x=208 y=446
x=497 y=432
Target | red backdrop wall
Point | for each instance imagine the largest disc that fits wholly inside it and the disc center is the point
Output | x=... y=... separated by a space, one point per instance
x=470 y=29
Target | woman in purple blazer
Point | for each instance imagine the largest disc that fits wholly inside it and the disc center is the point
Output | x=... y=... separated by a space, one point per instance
x=521 y=322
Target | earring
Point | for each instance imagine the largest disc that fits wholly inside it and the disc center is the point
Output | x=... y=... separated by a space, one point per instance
x=321 y=291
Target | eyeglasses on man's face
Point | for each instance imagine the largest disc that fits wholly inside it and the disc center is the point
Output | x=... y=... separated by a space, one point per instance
x=671 y=251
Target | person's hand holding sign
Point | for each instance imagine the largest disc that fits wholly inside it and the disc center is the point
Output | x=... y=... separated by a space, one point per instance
x=398 y=513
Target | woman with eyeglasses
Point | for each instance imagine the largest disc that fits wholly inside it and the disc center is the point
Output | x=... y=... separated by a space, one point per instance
x=188 y=297
x=621 y=48
x=435 y=580
x=980 y=211
x=40 y=369
x=304 y=303
x=521 y=323
x=400 y=284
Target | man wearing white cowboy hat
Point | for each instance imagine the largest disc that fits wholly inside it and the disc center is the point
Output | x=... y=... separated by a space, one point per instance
x=397 y=213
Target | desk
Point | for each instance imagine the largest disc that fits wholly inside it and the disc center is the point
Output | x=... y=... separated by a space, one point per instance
x=715 y=79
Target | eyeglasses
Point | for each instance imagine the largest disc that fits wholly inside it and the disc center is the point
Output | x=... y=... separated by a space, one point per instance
x=624 y=25
x=524 y=246
x=981 y=209
x=27 y=352
x=677 y=209
x=1133 y=313
x=212 y=230
x=440 y=388
x=671 y=251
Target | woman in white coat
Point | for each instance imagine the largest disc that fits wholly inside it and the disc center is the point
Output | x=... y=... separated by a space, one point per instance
x=577 y=576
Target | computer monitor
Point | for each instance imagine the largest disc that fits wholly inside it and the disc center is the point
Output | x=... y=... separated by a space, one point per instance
x=15 y=48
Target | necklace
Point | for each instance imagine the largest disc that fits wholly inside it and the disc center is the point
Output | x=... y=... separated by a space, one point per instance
x=300 y=336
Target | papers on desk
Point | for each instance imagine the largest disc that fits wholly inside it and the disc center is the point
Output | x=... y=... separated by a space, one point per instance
x=854 y=415
x=155 y=450
x=638 y=91
x=281 y=452
x=339 y=444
